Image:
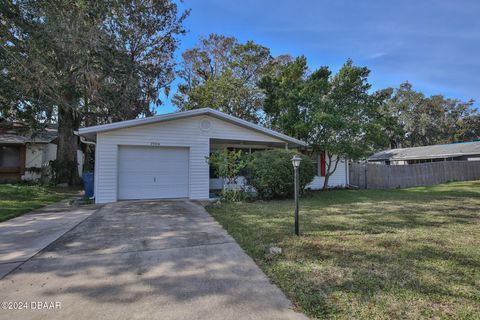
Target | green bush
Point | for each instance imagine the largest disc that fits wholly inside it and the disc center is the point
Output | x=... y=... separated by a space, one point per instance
x=271 y=173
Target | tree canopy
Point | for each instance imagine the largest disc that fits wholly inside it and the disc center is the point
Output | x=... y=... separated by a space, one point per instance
x=72 y=62
x=333 y=113
x=422 y=120
x=77 y=62
x=223 y=74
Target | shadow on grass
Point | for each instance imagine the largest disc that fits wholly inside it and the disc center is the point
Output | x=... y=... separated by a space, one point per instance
x=401 y=274
x=408 y=253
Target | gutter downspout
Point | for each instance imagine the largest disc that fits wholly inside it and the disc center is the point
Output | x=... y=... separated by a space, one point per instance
x=83 y=140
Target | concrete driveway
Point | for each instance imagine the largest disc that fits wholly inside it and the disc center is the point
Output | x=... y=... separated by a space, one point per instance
x=144 y=260
x=23 y=237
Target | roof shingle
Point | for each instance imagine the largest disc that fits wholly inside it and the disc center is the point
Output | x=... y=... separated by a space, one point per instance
x=428 y=152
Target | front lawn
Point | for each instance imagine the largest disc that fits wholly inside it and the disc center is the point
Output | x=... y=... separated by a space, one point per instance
x=370 y=254
x=17 y=199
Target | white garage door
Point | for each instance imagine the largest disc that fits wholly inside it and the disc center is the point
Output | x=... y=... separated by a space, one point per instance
x=152 y=173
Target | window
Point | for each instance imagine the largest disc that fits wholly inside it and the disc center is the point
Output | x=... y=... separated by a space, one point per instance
x=318 y=160
x=314 y=157
x=9 y=157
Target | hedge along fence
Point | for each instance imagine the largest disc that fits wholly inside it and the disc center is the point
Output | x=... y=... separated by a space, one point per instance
x=378 y=176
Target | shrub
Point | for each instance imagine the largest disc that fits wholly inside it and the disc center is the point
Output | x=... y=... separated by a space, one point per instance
x=271 y=173
x=234 y=195
x=228 y=165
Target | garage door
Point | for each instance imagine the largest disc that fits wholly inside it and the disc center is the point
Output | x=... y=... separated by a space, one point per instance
x=152 y=173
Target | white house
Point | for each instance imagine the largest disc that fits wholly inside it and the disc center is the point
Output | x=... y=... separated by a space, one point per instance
x=166 y=156
x=27 y=157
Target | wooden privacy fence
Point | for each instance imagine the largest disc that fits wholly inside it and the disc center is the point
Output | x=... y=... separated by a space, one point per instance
x=378 y=176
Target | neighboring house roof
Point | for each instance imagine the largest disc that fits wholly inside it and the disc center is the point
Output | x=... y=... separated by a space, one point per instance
x=17 y=132
x=39 y=137
x=429 y=152
x=185 y=114
x=11 y=139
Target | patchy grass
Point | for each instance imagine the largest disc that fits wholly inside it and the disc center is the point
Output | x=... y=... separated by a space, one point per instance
x=17 y=199
x=370 y=254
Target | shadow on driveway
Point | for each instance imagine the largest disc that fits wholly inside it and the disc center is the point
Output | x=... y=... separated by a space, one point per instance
x=150 y=259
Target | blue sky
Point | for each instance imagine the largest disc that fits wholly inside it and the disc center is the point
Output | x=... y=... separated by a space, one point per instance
x=433 y=44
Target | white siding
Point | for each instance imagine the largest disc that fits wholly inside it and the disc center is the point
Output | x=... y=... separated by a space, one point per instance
x=39 y=156
x=34 y=158
x=185 y=132
x=50 y=152
x=226 y=130
x=337 y=179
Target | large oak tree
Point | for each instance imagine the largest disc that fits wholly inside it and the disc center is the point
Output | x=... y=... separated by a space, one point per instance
x=75 y=61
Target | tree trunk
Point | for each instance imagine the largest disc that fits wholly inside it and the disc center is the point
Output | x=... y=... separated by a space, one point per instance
x=67 y=166
x=89 y=160
x=88 y=150
x=328 y=173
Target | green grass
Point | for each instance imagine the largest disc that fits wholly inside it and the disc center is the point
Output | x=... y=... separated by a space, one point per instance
x=370 y=254
x=17 y=199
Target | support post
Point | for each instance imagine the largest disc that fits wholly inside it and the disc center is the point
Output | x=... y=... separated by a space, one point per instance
x=297 y=231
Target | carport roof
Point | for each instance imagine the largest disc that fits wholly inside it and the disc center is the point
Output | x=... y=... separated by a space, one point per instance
x=90 y=132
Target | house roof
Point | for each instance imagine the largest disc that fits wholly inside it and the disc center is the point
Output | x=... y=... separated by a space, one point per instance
x=429 y=152
x=39 y=137
x=18 y=132
x=90 y=131
x=11 y=139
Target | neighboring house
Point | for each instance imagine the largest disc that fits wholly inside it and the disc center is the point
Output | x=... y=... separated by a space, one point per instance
x=166 y=156
x=338 y=179
x=26 y=157
x=461 y=151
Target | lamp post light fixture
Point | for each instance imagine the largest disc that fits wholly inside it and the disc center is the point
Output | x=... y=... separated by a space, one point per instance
x=296 y=164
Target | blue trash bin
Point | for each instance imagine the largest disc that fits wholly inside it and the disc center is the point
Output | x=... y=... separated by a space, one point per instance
x=88 y=184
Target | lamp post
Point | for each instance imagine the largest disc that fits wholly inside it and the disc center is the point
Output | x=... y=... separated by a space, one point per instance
x=296 y=164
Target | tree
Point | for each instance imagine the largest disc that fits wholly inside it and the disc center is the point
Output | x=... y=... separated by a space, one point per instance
x=348 y=120
x=422 y=120
x=334 y=114
x=286 y=103
x=228 y=165
x=221 y=73
x=469 y=128
x=82 y=61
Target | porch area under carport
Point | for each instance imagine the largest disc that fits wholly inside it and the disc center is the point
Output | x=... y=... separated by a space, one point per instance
x=248 y=147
